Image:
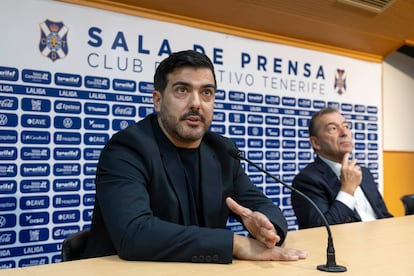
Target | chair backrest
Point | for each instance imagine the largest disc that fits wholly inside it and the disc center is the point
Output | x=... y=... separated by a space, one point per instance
x=408 y=202
x=74 y=245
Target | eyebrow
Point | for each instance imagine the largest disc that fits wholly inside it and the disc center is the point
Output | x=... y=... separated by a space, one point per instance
x=209 y=85
x=337 y=124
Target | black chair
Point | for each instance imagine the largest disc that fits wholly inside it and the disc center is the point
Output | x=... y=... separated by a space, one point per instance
x=408 y=202
x=74 y=245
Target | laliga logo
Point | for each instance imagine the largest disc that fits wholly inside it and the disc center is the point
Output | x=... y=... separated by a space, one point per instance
x=340 y=81
x=53 y=39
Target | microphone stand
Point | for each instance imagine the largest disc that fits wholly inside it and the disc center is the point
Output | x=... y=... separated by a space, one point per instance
x=330 y=265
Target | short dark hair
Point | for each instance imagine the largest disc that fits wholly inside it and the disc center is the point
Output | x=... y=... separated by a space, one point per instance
x=315 y=117
x=180 y=59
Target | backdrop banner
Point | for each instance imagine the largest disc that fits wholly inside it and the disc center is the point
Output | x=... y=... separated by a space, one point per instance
x=72 y=76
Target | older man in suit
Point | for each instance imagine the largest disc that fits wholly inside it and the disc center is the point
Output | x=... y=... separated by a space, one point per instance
x=344 y=191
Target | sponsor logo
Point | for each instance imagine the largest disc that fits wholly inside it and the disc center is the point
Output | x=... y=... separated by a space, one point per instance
x=87 y=214
x=96 y=109
x=8 y=153
x=36 y=76
x=35 y=169
x=8 y=204
x=68 y=80
x=124 y=85
x=89 y=184
x=67 y=216
x=66 y=169
x=96 y=82
x=33 y=261
x=35 y=121
x=254 y=98
x=9 y=74
x=237 y=118
x=68 y=107
x=64 y=122
x=34 y=202
x=219 y=129
x=89 y=199
x=219 y=116
x=147 y=87
x=95 y=138
x=34 y=185
x=60 y=201
x=8 y=103
x=38 y=105
x=237 y=96
x=35 y=137
x=7 y=220
x=33 y=235
x=89 y=169
x=122 y=110
x=8 y=119
x=8 y=136
x=29 y=153
x=67 y=138
x=63 y=185
x=31 y=219
x=7 y=264
x=8 y=186
x=255 y=119
x=66 y=154
x=144 y=111
x=62 y=232
x=8 y=170
x=255 y=131
x=96 y=123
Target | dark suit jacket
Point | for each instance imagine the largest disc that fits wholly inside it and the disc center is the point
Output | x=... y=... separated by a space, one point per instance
x=142 y=209
x=319 y=183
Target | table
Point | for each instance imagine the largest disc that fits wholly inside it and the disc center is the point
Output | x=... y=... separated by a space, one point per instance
x=382 y=247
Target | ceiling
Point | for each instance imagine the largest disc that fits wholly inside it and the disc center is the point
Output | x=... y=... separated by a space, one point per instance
x=327 y=23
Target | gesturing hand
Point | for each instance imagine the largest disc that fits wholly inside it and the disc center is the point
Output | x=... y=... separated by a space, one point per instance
x=256 y=223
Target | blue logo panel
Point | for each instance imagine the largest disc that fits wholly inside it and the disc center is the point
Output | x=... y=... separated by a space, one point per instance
x=33 y=235
x=36 y=105
x=8 y=103
x=8 y=120
x=66 y=185
x=34 y=186
x=34 y=202
x=7 y=237
x=8 y=187
x=8 y=153
x=69 y=107
x=65 y=122
x=66 y=216
x=35 y=137
x=8 y=136
x=33 y=219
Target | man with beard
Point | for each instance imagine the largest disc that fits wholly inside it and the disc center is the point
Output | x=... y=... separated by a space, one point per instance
x=166 y=185
x=344 y=191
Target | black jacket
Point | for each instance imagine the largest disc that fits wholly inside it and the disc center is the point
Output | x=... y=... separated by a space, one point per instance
x=141 y=208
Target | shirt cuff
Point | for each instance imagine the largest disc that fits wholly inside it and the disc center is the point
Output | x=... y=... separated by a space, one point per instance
x=346 y=199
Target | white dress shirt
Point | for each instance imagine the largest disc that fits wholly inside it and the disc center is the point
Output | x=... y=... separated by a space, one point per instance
x=358 y=201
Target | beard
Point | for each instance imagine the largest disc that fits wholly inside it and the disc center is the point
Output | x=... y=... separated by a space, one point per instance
x=179 y=129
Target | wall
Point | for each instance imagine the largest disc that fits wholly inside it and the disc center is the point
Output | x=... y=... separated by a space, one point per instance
x=398 y=97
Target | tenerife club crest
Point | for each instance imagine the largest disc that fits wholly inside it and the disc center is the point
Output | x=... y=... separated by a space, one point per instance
x=53 y=39
x=340 y=81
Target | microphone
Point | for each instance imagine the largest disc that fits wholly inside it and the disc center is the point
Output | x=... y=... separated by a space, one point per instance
x=330 y=265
